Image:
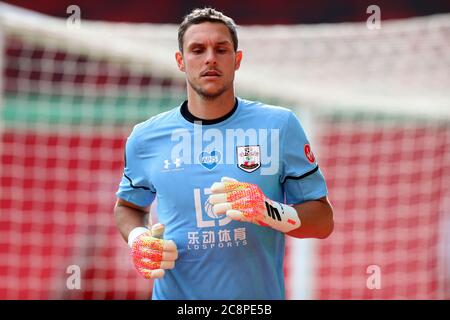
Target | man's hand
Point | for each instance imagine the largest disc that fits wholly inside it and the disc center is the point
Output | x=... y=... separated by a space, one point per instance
x=151 y=254
x=246 y=202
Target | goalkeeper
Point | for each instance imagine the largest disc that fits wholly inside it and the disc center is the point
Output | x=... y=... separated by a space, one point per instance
x=226 y=203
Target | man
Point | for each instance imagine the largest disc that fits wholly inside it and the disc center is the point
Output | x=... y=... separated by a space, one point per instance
x=222 y=169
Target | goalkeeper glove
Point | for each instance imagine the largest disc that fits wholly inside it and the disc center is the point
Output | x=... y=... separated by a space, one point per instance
x=243 y=201
x=150 y=253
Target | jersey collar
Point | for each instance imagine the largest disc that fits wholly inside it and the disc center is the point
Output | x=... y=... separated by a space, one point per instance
x=191 y=118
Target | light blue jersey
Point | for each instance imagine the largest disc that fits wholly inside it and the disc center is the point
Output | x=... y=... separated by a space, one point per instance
x=176 y=159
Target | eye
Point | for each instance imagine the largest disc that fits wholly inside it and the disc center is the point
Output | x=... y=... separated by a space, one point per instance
x=197 y=50
x=222 y=50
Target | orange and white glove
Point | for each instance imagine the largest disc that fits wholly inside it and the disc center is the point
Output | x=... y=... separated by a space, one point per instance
x=151 y=254
x=244 y=201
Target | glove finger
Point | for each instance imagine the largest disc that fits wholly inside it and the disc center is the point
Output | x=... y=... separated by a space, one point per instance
x=145 y=263
x=146 y=243
x=167 y=265
x=227 y=186
x=221 y=208
x=147 y=253
x=222 y=185
x=169 y=245
x=235 y=215
x=169 y=255
x=217 y=198
x=241 y=216
x=228 y=179
x=158 y=273
x=148 y=264
x=151 y=274
x=218 y=187
x=234 y=195
x=158 y=230
x=146 y=240
x=155 y=256
x=249 y=206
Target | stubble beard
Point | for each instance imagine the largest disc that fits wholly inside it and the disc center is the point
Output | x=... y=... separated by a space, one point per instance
x=208 y=95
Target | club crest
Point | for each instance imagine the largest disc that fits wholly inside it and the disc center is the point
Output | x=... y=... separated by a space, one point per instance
x=249 y=158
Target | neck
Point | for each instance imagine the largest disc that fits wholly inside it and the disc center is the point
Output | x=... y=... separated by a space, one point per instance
x=209 y=109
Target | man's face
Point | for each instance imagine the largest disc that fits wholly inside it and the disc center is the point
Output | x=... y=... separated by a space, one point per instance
x=209 y=59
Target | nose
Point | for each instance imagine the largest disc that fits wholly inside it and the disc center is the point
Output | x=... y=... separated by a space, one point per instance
x=210 y=57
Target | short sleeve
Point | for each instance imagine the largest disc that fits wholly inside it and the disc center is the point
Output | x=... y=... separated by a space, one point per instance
x=301 y=176
x=135 y=186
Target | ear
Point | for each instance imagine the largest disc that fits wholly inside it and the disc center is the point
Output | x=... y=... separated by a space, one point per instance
x=180 y=62
x=238 y=59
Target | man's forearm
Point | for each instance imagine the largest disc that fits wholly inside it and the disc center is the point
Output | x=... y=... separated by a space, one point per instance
x=316 y=219
x=128 y=218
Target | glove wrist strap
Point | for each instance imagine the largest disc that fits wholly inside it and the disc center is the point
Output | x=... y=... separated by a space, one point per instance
x=136 y=232
x=284 y=217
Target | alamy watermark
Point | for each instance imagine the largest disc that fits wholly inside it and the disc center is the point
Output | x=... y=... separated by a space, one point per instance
x=74 y=20
x=213 y=146
x=73 y=281
x=374 y=278
x=374 y=20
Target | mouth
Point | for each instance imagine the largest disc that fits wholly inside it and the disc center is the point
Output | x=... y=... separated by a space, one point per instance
x=210 y=73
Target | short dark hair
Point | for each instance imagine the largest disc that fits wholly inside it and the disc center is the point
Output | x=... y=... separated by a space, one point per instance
x=198 y=16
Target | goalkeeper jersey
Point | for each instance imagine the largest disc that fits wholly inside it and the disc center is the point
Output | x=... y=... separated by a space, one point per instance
x=175 y=158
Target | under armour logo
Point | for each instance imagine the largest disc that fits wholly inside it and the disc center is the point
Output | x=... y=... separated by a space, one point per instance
x=172 y=165
x=166 y=164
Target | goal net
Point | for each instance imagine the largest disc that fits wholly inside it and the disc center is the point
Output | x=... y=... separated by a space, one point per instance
x=375 y=104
